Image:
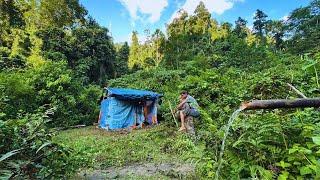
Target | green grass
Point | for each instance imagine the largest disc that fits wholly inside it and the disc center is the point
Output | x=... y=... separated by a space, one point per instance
x=99 y=149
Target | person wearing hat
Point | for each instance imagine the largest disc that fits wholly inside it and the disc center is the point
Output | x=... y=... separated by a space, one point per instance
x=188 y=106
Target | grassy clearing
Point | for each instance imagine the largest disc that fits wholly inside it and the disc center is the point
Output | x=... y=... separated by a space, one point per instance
x=97 y=149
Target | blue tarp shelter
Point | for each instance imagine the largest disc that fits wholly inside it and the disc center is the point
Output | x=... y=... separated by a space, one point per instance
x=124 y=108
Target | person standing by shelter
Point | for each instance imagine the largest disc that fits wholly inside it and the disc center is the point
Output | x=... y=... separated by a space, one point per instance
x=188 y=106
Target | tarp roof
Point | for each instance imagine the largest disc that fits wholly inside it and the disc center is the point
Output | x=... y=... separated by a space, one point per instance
x=132 y=94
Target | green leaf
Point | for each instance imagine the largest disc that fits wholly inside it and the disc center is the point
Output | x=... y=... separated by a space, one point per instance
x=309 y=65
x=316 y=140
x=310 y=145
x=43 y=145
x=305 y=170
x=2 y=114
x=313 y=167
x=300 y=178
x=6 y=174
x=305 y=150
x=292 y=150
x=283 y=176
x=283 y=164
x=9 y=154
x=296 y=163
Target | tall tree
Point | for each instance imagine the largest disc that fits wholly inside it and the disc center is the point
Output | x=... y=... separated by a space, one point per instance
x=259 y=23
x=121 y=64
x=88 y=49
x=56 y=44
x=240 y=28
x=304 y=28
x=94 y=53
x=61 y=13
x=10 y=14
x=276 y=29
x=134 y=51
x=12 y=24
x=177 y=43
x=202 y=19
x=198 y=26
x=158 y=43
x=178 y=26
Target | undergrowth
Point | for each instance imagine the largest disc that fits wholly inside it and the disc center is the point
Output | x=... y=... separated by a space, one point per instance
x=98 y=149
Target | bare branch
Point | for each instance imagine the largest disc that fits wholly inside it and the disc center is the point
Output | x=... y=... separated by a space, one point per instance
x=296 y=90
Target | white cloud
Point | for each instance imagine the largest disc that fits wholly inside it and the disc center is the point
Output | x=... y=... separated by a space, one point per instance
x=151 y=8
x=216 y=6
x=285 y=18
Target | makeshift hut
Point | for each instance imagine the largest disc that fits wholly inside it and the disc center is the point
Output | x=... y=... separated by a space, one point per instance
x=125 y=108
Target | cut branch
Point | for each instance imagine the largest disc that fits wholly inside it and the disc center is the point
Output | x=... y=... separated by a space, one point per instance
x=282 y=103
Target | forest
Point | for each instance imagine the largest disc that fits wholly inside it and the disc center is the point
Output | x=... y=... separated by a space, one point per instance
x=55 y=59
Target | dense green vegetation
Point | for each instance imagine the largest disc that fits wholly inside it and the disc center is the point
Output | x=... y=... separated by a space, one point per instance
x=53 y=65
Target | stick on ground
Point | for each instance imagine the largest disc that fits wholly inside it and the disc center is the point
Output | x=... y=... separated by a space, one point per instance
x=296 y=90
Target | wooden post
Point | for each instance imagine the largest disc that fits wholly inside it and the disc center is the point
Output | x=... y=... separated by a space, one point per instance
x=281 y=103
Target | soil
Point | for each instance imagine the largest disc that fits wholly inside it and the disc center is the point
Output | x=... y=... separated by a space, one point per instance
x=142 y=171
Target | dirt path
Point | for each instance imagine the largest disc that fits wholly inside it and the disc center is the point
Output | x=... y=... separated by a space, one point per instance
x=142 y=171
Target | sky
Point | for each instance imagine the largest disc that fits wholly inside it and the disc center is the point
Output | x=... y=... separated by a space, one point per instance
x=122 y=17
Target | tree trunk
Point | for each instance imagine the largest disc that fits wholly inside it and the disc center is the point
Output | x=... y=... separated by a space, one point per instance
x=281 y=103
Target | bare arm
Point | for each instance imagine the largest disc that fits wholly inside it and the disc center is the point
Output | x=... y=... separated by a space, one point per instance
x=181 y=104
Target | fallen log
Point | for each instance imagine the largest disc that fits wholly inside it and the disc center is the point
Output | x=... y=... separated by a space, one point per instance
x=281 y=103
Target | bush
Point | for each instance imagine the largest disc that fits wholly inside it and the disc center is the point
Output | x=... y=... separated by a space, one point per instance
x=27 y=151
x=52 y=84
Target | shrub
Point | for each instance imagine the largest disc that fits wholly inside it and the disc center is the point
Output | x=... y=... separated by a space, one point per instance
x=27 y=151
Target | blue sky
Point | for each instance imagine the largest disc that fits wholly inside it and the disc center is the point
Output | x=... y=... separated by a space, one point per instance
x=124 y=16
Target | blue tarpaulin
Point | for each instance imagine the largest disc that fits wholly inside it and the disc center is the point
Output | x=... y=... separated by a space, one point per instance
x=124 y=108
x=132 y=94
